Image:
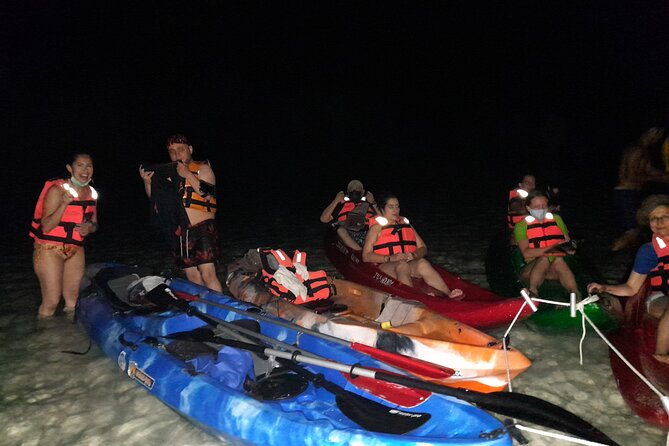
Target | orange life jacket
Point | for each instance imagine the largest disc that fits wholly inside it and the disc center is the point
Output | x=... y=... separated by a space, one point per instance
x=77 y=212
x=545 y=233
x=316 y=283
x=343 y=208
x=659 y=276
x=395 y=238
x=514 y=217
x=192 y=198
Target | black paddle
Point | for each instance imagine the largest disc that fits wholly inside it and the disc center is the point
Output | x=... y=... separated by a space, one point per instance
x=368 y=414
x=516 y=405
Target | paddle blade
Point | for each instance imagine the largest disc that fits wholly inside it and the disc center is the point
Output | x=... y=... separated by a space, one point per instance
x=413 y=365
x=391 y=392
x=376 y=417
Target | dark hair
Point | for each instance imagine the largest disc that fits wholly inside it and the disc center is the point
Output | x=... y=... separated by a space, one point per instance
x=74 y=155
x=177 y=138
x=383 y=199
x=534 y=194
x=649 y=205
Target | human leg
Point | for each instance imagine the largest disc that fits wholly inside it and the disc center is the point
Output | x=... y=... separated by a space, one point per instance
x=347 y=240
x=537 y=273
x=73 y=273
x=658 y=309
x=399 y=270
x=48 y=266
x=193 y=274
x=423 y=269
x=209 y=276
x=565 y=275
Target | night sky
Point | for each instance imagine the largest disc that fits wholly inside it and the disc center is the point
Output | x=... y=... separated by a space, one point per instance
x=412 y=96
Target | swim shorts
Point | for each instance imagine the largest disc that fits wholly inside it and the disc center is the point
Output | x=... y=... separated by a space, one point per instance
x=198 y=245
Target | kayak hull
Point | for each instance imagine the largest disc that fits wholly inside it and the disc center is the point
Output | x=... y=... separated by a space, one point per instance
x=480 y=308
x=394 y=324
x=137 y=344
x=635 y=340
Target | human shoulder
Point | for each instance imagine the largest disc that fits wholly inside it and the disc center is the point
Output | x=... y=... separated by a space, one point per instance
x=646 y=259
x=520 y=230
x=560 y=222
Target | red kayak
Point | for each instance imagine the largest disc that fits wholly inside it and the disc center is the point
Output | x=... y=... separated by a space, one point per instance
x=479 y=308
x=636 y=342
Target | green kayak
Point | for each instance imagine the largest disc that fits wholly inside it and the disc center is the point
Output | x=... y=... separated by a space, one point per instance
x=504 y=262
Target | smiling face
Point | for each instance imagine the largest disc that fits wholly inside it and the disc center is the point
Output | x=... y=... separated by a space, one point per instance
x=81 y=168
x=391 y=210
x=180 y=152
x=659 y=221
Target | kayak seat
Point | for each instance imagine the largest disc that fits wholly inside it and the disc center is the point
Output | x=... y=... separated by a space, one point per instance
x=120 y=285
x=400 y=311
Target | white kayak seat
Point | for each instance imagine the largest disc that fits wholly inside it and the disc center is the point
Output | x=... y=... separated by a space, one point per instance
x=121 y=285
x=400 y=311
x=138 y=289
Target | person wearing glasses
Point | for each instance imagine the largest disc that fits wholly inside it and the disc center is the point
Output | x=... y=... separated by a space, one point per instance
x=649 y=264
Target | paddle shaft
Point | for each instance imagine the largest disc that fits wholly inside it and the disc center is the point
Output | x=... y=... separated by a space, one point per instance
x=410 y=364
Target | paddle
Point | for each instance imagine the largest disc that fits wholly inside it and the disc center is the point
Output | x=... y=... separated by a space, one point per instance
x=516 y=405
x=368 y=414
x=412 y=365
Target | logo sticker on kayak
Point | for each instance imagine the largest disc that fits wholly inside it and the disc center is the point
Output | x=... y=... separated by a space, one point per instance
x=121 y=361
x=140 y=375
x=385 y=280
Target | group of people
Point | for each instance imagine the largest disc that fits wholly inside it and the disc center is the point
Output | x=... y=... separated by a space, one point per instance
x=385 y=237
x=182 y=194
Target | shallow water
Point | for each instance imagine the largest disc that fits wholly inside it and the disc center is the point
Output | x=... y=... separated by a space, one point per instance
x=50 y=397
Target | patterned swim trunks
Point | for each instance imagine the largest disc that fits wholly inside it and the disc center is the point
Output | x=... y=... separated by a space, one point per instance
x=198 y=245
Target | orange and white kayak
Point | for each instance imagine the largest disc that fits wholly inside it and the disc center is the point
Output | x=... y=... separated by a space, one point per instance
x=360 y=314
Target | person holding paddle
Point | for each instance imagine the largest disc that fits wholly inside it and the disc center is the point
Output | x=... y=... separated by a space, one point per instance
x=650 y=263
x=398 y=249
x=65 y=215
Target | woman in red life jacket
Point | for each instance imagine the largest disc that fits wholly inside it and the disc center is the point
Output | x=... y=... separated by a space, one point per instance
x=516 y=209
x=65 y=214
x=338 y=212
x=537 y=236
x=651 y=261
x=398 y=249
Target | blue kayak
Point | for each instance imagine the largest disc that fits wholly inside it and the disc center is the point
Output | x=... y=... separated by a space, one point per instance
x=248 y=398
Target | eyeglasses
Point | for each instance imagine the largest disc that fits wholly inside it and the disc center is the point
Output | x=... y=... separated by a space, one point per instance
x=659 y=220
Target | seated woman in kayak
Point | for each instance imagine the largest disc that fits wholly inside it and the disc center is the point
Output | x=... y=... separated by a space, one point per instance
x=537 y=236
x=398 y=249
x=650 y=263
x=349 y=213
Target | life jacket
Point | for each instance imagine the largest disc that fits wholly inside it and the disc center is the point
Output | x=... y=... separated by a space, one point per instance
x=394 y=238
x=316 y=282
x=659 y=276
x=514 y=217
x=77 y=212
x=545 y=233
x=192 y=198
x=344 y=207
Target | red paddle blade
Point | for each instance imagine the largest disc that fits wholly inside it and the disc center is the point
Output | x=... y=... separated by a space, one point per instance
x=413 y=365
x=185 y=296
x=390 y=392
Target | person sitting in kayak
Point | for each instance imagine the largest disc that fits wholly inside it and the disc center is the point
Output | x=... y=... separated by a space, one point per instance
x=350 y=214
x=538 y=236
x=516 y=208
x=398 y=249
x=650 y=263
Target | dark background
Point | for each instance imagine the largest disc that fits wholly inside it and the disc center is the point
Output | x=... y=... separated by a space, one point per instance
x=441 y=102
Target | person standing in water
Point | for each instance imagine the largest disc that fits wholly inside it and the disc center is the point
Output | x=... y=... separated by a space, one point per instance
x=65 y=214
x=197 y=248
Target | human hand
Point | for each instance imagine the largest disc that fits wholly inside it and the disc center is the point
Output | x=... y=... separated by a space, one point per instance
x=594 y=288
x=145 y=175
x=182 y=169
x=85 y=228
x=340 y=196
x=369 y=197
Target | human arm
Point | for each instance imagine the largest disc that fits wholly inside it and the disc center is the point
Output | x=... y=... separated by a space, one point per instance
x=146 y=176
x=202 y=182
x=326 y=215
x=629 y=288
x=88 y=227
x=55 y=202
x=421 y=249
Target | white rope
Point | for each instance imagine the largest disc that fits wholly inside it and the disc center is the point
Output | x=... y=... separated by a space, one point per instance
x=504 y=346
x=558 y=436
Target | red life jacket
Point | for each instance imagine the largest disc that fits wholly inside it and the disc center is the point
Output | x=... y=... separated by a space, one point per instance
x=316 y=283
x=77 y=212
x=192 y=198
x=341 y=211
x=514 y=217
x=659 y=276
x=395 y=238
x=543 y=234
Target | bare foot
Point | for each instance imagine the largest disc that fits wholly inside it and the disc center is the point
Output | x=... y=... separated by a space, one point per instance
x=661 y=358
x=456 y=294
